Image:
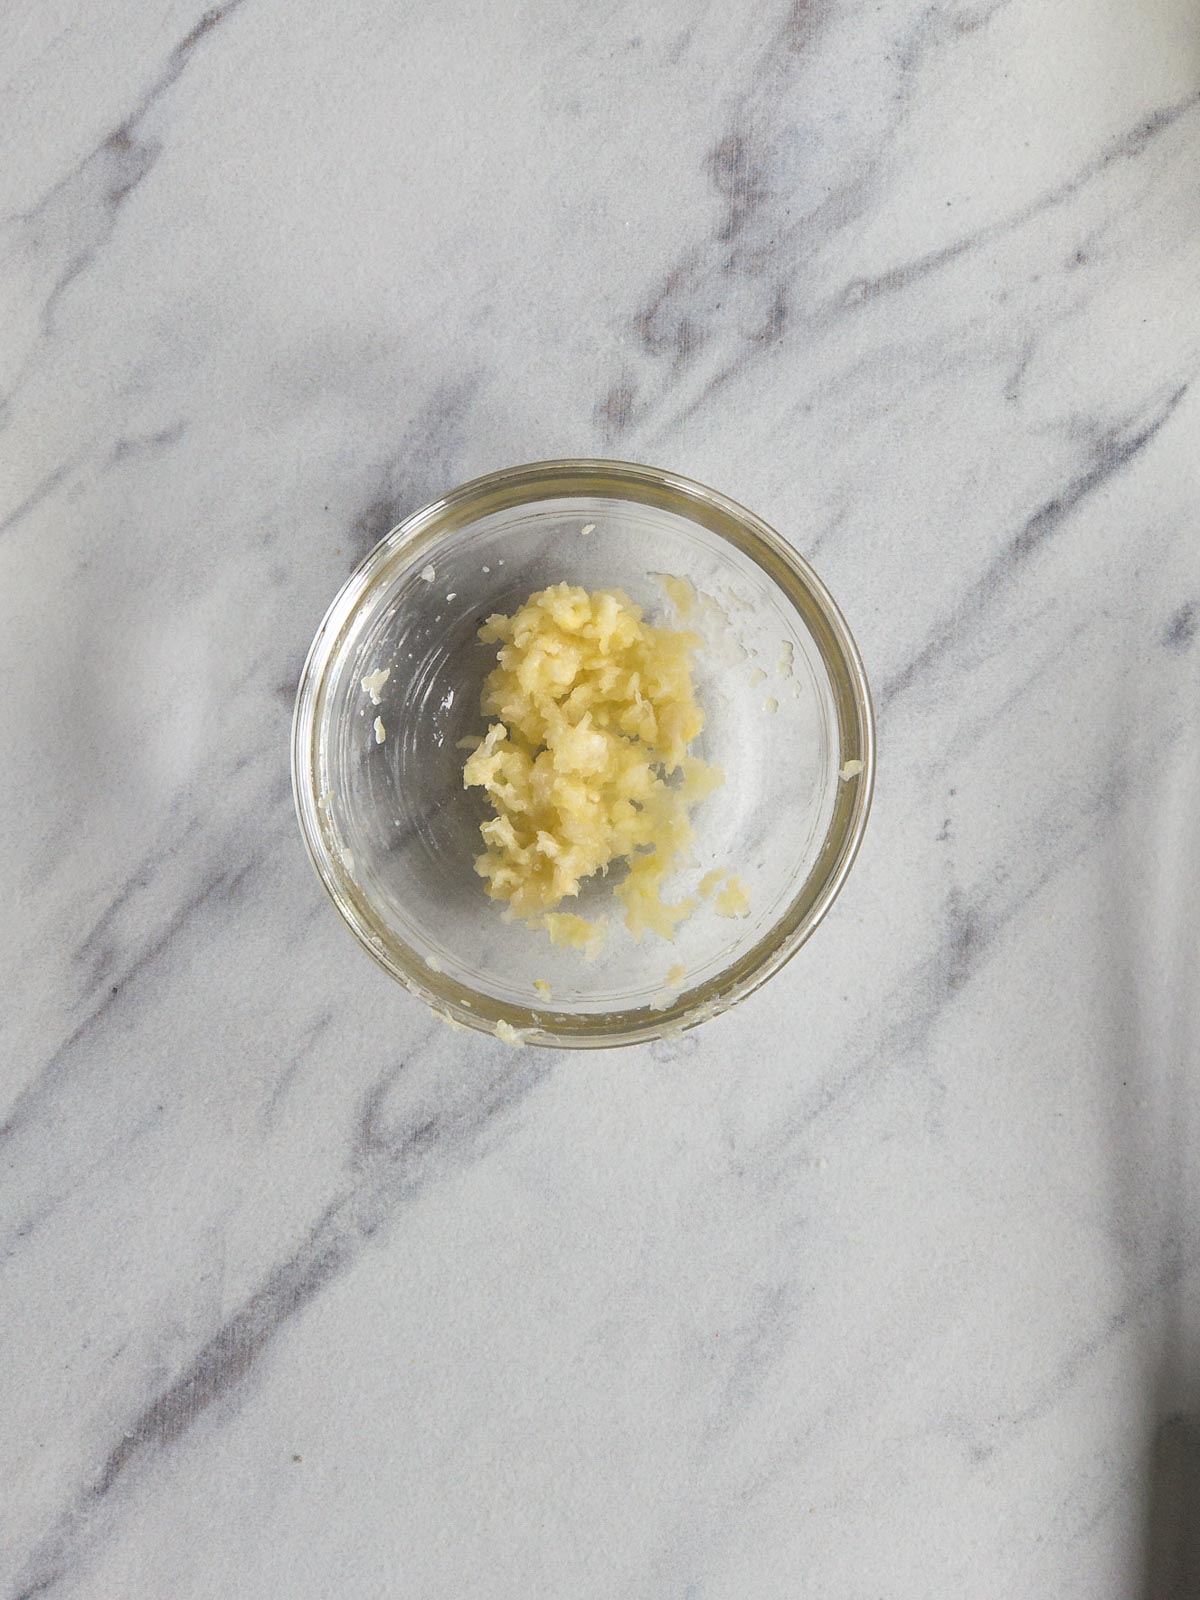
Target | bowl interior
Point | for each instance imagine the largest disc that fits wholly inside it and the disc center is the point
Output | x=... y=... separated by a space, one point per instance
x=397 y=833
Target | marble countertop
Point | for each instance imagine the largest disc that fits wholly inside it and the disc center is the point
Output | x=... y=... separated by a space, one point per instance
x=886 y=1283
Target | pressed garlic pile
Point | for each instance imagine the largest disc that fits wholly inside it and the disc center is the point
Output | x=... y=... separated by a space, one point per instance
x=585 y=761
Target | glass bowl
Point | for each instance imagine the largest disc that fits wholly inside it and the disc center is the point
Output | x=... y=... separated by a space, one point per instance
x=393 y=833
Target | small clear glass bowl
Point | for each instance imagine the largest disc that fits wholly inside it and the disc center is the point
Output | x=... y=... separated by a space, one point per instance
x=393 y=833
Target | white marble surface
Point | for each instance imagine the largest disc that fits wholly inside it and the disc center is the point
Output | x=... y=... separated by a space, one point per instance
x=883 y=1285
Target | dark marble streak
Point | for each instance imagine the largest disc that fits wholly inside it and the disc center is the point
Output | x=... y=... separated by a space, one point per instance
x=65 y=229
x=1000 y=1432
x=32 y=1113
x=696 y=294
x=860 y=293
x=1126 y=147
x=969 y=21
x=121 y=450
x=84 y=1172
x=29 y=1224
x=100 y=946
x=973 y=922
x=303 y=1048
x=740 y=290
x=146 y=443
x=1115 y=449
x=1180 y=630
x=752 y=1350
x=734 y=1365
x=54 y=232
x=393 y=1166
x=972 y=729
x=109 y=969
x=422 y=466
x=223 y=889
x=39 y=493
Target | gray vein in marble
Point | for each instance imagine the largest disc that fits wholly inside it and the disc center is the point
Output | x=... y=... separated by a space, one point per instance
x=115 y=181
x=1127 y=147
x=100 y=185
x=304 y=1046
x=146 y=443
x=39 y=493
x=104 y=986
x=64 y=230
x=620 y=408
x=1180 y=630
x=752 y=1350
x=683 y=314
x=973 y=922
x=32 y=1108
x=1016 y=378
x=969 y=21
x=745 y=1357
x=984 y=1442
x=1175 y=634
x=393 y=1167
x=1115 y=449
x=122 y=449
x=26 y=1227
x=224 y=887
x=98 y=947
x=423 y=466
x=1025 y=678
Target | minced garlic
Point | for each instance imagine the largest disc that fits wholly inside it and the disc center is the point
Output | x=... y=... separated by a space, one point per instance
x=573 y=932
x=585 y=762
x=679 y=592
x=734 y=898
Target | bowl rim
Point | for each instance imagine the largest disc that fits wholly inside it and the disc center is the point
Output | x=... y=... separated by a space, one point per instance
x=592 y=478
